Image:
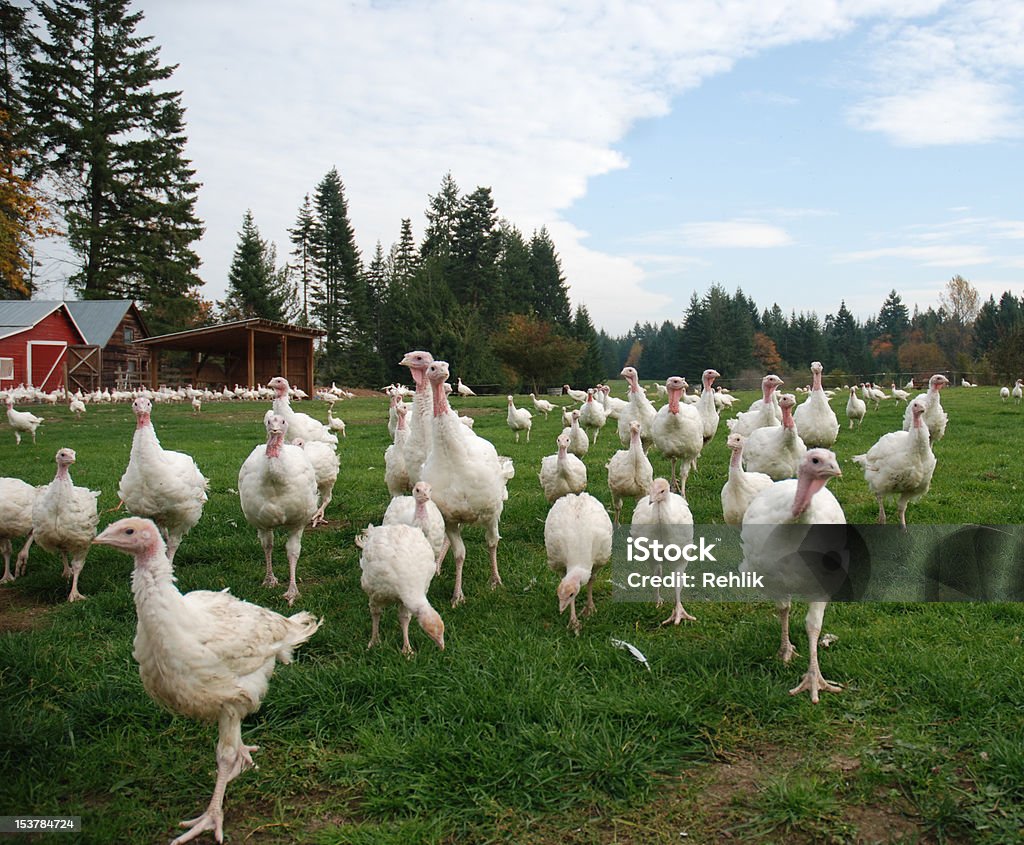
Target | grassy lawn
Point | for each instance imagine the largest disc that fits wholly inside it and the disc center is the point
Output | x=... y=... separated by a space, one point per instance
x=519 y=731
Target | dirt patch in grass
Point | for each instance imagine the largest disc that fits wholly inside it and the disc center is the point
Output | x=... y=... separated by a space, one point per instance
x=19 y=612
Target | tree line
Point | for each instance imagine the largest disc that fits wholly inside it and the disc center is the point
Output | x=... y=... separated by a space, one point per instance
x=730 y=333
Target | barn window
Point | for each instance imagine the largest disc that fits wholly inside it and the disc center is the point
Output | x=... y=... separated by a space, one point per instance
x=129 y=334
x=6 y=369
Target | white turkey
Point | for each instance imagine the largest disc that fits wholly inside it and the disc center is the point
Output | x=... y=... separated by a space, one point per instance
x=910 y=383
x=776 y=558
x=741 y=487
x=396 y=476
x=577 y=395
x=593 y=416
x=899 y=395
x=578 y=541
x=665 y=516
x=325 y=463
x=856 y=408
x=398 y=565
x=629 y=471
x=334 y=424
x=678 y=433
x=639 y=408
x=1018 y=391
x=161 y=484
x=579 y=443
x=419 y=511
x=519 y=419
x=64 y=520
x=463 y=389
x=761 y=413
x=77 y=407
x=23 y=422
x=900 y=464
x=934 y=417
x=299 y=424
x=417 y=444
x=817 y=422
x=17 y=499
x=205 y=655
x=466 y=477
x=612 y=405
x=562 y=473
x=778 y=451
x=723 y=400
x=277 y=489
x=706 y=406
x=542 y=406
x=1004 y=393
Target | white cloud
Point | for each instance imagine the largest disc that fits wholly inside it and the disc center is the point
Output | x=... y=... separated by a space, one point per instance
x=951 y=256
x=947 y=81
x=942 y=111
x=734 y=234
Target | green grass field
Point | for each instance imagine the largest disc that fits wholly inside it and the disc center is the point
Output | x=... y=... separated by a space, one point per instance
x=519 y=731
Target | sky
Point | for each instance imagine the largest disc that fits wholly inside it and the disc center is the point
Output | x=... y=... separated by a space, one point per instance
x=807 y=152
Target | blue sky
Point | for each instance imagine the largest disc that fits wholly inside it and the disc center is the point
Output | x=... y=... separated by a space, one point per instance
x=804 y=150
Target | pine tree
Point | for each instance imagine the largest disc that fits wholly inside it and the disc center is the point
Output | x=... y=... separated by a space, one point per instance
x=112 y=138
x=256 y=288
x=551 y=296
x=514 y=274
x=376 y=277
x=472 y=272
x=442 y=215
x=591 y=367
x=404 y=258
x=303 y=237
x=341 y=297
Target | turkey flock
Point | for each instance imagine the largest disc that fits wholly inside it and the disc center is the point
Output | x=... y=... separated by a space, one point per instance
x=209 y=656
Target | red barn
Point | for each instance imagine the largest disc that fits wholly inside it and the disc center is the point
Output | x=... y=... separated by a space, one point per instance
x=34 y=338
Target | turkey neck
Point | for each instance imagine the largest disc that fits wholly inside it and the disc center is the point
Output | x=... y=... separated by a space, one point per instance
x=815 y=381
x=154 y=589
x=736 y=461
x=806 y=487
x=787 y=419
x=274 y=443
x=421 y=510
x=673 y=399
x=766 y=392
x=142 y=420
x=440 y=400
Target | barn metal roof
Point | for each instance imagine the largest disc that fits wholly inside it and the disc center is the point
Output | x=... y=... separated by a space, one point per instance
x=97 y=319
x=17 y=315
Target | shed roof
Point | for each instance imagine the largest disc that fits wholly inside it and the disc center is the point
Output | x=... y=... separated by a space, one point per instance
x=17 y=315
x=226 y=337
x=98 y=319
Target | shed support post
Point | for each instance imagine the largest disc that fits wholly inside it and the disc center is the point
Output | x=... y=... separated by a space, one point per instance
x=250 y=360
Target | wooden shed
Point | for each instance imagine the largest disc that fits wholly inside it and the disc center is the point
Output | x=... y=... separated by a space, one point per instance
x=34 y=340
x=108 y=358
x=247 y=352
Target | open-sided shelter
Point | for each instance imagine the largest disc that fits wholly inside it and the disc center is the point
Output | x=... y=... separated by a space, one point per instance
x=246 y=352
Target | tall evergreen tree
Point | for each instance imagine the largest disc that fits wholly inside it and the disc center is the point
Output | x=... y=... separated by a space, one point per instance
x=256 y=287
x=112 y=137
x=442 y=216
x=591 y=367
x=473 y=272
x=303 y=237
x=893 y=318
x=515 y=276
x=551 y=296
x=404 y=258
x=376 y=277
x=341 y=298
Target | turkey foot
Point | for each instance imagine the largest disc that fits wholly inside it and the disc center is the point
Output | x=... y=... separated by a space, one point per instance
x=678 y=615
x=787 y=651
x=813 y=683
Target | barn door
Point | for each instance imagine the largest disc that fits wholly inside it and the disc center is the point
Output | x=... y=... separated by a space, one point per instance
x=44 y=358
x=85 y=364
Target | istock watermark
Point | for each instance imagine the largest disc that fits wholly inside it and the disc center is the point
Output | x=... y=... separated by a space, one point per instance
x=865 y=563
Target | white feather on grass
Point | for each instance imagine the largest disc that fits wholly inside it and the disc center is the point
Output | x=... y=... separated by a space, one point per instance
x=632 y=649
